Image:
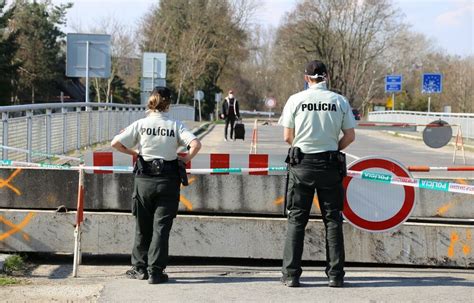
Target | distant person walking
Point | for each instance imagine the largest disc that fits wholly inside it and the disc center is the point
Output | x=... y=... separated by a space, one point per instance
x=230 y=112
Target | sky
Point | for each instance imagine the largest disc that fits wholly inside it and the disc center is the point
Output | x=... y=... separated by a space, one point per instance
x=450 y=23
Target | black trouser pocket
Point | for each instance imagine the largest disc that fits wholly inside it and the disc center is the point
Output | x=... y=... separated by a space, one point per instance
x=134 y=205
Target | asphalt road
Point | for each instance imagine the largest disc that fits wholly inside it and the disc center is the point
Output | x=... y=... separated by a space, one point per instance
x=408 y=152
x=234 y=283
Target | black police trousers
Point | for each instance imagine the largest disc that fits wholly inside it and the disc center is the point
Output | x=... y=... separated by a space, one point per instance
x=305 y=178
x=154 y=205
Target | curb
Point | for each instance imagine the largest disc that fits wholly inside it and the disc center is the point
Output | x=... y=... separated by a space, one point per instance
x=201 y=131
x=393 y=133
x=200 y=128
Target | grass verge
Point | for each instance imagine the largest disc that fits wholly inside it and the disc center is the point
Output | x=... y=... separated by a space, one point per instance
x=5 y=281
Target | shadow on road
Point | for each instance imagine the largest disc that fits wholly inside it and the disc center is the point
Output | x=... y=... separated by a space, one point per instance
x=350 y=282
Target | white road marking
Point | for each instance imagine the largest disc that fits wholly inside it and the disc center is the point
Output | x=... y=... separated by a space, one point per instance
x=352 y=156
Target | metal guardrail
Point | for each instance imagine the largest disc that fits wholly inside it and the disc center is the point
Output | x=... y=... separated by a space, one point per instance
x=466 y=121
x=57 y=128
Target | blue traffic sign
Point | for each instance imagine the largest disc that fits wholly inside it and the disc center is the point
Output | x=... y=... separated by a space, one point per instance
x=393 y=87
x=432 y=84
x=393 y=83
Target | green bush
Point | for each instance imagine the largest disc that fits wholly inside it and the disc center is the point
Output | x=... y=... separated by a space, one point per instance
x=14 y=263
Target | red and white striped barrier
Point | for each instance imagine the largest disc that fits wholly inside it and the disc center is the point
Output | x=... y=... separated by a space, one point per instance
x=448 y=168
x=386 y=124
x=79 y=220
x=201 y=161
x=210 y=161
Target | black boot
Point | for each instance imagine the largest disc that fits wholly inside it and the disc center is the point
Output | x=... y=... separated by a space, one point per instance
x=156 y=278
x=137 y=273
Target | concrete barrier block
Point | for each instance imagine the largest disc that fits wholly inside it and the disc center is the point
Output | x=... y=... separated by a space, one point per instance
x=220 y=194
x=237 y=237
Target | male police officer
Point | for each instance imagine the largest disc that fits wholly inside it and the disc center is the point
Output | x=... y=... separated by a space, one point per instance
x=313 y=120
x=156 y=184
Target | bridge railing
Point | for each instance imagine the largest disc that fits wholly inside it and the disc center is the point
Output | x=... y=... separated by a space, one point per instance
x=58 y=128
x=466 y=121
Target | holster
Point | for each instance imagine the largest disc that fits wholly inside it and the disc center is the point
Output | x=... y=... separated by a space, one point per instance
x=148 y=168
x=182 y=173
x=294 y=156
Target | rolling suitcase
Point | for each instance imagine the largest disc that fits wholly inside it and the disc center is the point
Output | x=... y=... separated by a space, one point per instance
x=239 y=130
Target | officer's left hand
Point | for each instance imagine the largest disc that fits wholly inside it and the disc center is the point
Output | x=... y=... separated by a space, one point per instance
x=185 y=159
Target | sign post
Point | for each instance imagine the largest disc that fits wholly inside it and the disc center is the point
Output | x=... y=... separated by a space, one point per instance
x=218 y=98
x=393 y=84
x=432 y=84
x=270 y=103
x=199 y=95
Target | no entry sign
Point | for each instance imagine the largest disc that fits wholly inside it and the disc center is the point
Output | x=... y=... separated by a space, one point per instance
x=375 y=206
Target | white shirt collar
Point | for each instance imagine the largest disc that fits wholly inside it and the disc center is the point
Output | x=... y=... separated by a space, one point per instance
x=150 y=113
x=320 y=85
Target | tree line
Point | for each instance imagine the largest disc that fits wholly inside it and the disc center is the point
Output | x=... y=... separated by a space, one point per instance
x=217 y=45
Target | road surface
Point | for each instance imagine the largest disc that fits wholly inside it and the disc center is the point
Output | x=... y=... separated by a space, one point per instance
x=408 y=152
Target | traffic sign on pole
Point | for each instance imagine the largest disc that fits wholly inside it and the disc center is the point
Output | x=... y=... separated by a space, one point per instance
x=393 y=83
x=375 y=206
x=148 y=84
x=432 y=84
x=154 y=65
x=270 y=103
x=88 y=55
x=218 y=97
x=199 y=95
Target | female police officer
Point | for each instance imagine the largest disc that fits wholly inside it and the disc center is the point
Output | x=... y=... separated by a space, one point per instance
x=157 y=183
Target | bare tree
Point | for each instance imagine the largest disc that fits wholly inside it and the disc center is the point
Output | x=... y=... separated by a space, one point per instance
x=348 y=35
x=202 y=38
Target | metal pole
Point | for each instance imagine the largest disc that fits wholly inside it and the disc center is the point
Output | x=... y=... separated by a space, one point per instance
x=48 y=131
x=107 y=119
x=64 y=112
x=89 y=139
x=153 y=75
x=5 y=135
x=117 y=121
x=429 y=104
x=199 y=101
x=29 y=136
x=393 y=101
x=87 y=72
x=78 y=127
x=99 y=111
